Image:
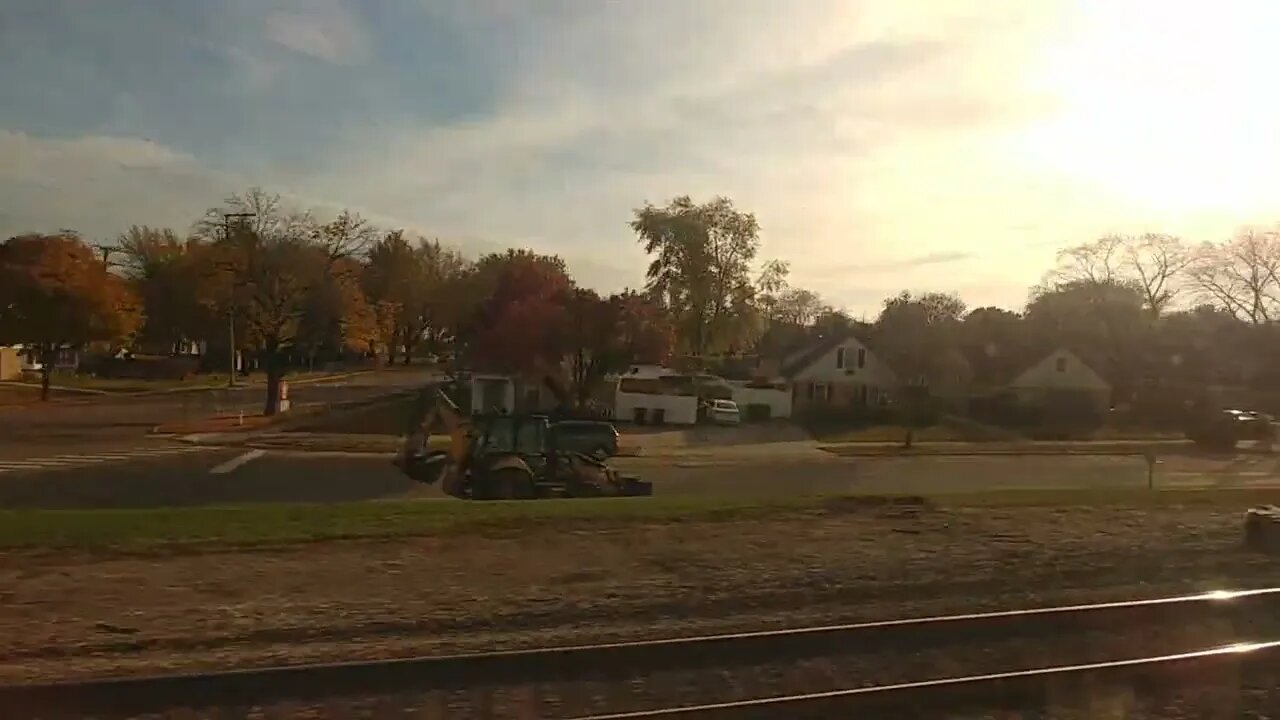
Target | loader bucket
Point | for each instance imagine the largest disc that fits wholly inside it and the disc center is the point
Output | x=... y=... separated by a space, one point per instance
x=427 y=468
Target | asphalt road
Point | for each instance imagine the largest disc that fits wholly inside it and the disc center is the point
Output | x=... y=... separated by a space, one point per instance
x=174 y=474
x=121 y=421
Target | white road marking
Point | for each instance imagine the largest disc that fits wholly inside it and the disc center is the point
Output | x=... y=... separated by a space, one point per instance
x=68 y=460
x=38 y=463
x=236 y=462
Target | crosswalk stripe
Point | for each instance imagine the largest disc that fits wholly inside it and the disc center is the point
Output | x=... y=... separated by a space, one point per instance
x=37 y=463
x=69 y=460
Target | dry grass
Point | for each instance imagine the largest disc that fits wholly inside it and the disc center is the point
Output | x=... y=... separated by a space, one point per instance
x=524 y=582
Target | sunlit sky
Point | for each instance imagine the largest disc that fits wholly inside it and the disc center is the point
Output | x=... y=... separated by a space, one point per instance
x=882 y=145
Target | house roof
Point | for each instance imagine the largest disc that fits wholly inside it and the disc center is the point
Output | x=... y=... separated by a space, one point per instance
x=815 y=352
x=1026 y=377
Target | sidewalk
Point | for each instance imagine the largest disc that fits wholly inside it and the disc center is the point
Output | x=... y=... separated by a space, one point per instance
x=388 y=444
x=1031 y=447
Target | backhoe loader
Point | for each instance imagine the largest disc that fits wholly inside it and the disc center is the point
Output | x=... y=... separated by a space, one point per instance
x=502 y=457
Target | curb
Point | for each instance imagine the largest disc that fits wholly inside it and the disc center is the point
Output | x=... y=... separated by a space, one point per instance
x=1026 y=452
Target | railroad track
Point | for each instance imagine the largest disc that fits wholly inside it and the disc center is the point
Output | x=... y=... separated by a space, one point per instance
x=1242 y=624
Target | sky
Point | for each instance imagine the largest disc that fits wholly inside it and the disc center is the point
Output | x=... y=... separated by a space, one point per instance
x=948 y=145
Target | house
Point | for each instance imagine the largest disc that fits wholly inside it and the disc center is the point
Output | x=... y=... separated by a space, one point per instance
x=1061 y=373
x=67 y=358
x=657 y=395
x=510 y=394
x=837 y=371
x=10 y=364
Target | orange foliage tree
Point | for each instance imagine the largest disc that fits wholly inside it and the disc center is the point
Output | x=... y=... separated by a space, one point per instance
x=55 y=293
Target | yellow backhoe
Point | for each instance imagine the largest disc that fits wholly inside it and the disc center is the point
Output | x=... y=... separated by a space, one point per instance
x=502 y=457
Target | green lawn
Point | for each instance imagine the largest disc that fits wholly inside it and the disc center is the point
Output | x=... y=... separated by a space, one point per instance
x=195 y=382
x=271 y=524
x=129 y=385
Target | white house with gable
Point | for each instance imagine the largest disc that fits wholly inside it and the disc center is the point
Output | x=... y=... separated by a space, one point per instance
x=1061 y=371
x=839 y=371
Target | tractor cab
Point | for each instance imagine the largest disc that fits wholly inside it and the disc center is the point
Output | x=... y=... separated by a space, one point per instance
x=519 y=436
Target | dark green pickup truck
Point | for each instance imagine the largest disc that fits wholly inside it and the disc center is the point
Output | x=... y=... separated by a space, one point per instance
x=589 y=437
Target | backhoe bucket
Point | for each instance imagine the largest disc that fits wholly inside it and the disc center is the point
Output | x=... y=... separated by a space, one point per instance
x=429 y=468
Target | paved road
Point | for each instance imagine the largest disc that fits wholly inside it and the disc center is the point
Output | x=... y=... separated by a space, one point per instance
x=115 y=421
x=201 y=476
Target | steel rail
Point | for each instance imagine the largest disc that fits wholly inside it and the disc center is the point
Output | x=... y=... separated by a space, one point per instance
x=257 y=686
x=1006 y=690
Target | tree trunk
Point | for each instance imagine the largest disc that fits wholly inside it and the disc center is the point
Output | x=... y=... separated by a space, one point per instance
x=408 y=346
x=275 y=372
x=46 y=367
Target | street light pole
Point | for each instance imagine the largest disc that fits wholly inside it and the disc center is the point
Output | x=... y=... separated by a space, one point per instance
x=231 y=303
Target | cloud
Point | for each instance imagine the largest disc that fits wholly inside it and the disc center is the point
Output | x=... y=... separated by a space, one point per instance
x=94 y=183
x=881 y=146
x=933 y=258
x=324 y=30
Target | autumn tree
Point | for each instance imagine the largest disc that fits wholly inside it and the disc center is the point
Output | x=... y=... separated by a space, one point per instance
x=166 y=271
x=700 y=269
x=338 y=317
x=55 y=292
x=517 y=319
x=607 y=335
x=413 y=289
x=262 y=272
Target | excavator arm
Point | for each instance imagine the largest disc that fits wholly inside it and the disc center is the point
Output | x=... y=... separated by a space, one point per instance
x=433 y=409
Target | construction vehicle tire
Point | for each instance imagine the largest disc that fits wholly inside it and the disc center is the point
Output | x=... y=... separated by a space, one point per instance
x=506 y=484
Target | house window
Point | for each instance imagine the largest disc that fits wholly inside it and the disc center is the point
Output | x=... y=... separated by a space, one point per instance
x=840 y=358
x=1062 y=364
x=822 y=391
x=862 y=357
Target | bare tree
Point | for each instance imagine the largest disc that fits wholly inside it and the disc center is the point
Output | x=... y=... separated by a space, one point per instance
x=1155 y=263
x=1241 y=275
x=347 y=235
x=1096 y=262
x=1152 y=263
x=265 y=215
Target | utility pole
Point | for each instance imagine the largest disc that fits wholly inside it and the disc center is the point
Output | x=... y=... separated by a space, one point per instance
x=231 y=303
x=106 y=251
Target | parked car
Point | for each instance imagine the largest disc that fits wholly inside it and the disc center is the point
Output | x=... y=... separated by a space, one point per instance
x=723 y=412
x=589 y=437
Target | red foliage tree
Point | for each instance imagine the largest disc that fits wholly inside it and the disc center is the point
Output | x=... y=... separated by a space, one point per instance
x=519 y=320
x=55 y=292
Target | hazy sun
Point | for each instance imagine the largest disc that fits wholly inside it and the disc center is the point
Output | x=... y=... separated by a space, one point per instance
x=1168 y=105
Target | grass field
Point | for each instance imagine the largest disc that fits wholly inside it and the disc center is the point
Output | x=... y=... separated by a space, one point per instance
x=449 y=576
x=274 y=524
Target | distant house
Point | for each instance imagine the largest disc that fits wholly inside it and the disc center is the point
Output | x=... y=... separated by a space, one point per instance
x=10 y=364
x=837 y=371
x=67 y=359
x=1058 y=373
x=501 y=393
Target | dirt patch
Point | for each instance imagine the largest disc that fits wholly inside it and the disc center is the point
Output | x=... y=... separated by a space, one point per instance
x=70 y=613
